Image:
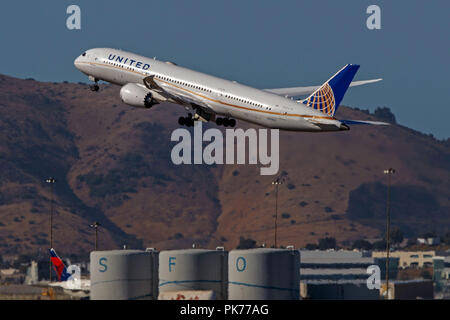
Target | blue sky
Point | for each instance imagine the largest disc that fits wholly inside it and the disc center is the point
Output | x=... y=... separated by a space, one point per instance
x=266 y=44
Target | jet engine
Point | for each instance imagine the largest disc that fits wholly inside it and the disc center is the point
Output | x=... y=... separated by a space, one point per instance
x=137 y=95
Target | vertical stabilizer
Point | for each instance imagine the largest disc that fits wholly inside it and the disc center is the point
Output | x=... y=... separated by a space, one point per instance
x=327 y=98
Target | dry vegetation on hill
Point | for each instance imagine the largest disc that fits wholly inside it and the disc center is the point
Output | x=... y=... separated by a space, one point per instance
x=112 y=163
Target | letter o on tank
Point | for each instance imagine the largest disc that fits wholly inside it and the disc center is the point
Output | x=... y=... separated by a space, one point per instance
x=241 y=264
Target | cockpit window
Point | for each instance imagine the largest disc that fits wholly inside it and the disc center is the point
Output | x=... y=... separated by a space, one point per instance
x=84 y=54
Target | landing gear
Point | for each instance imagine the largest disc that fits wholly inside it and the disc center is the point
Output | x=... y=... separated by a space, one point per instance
x=94 y=87
x=186 y=121
x=226 y=122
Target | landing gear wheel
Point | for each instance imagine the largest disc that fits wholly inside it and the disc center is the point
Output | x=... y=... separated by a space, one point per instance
x=232 y=123
x=94 y=87
x=182 y=121
x=189 y=122
x=219 y=121
x=226 y=122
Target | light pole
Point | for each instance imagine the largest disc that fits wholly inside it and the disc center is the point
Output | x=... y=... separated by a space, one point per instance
x=51 y=181
x=389 y=173
x=276 y=182
x=96 y=225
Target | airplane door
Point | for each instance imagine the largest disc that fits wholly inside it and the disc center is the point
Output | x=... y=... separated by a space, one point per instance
x=221 y=97
x=220 y=93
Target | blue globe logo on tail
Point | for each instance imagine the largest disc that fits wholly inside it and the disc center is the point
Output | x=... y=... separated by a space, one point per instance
x=322 y=100
x=327 y=98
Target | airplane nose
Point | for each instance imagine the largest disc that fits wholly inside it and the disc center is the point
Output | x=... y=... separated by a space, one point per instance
x=77 y=63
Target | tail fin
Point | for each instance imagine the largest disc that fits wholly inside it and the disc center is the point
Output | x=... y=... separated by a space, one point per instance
x=327 y=98
x=58 y=266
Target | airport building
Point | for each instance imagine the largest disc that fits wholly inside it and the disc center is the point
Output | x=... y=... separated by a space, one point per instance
x=334 y=265
x=410 y=290
x=431 y=241
x=441 y=275
x=441 y=267
x=410 y=259
x=11 y=276
x=337 y=290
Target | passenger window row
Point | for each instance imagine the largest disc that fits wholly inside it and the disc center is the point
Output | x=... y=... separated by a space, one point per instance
x=208 y=90
x=248 y=102
x=119 y=65
x=199 y=88
x=186 y=84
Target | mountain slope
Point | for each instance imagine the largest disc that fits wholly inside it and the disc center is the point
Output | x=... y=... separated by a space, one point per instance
x=112 y=163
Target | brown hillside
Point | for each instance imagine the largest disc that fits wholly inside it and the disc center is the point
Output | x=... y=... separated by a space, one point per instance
x=112 y=163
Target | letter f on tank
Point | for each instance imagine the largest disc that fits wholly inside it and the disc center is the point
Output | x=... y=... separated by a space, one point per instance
x=171 y=263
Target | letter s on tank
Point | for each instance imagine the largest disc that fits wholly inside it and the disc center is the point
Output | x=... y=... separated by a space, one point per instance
x=102 y=262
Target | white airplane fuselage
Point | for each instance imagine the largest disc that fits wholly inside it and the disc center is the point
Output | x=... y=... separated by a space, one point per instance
x=218 y=96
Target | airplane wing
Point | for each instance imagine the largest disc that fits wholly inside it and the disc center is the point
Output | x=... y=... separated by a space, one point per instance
x=184 y=99
x=151 y=83
x=301 y=91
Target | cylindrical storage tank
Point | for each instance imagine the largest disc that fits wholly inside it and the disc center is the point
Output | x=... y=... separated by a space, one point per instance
x=264 y=274
x=194 y=269
x=123 y=275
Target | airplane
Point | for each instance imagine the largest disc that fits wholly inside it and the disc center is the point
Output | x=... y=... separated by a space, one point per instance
x=147 y=82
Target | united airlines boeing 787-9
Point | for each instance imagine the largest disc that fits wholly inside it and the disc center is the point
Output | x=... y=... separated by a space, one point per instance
x=147 y=82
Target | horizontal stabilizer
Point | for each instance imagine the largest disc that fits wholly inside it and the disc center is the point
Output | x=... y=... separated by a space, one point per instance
x=376 y=123
x=362 y=82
